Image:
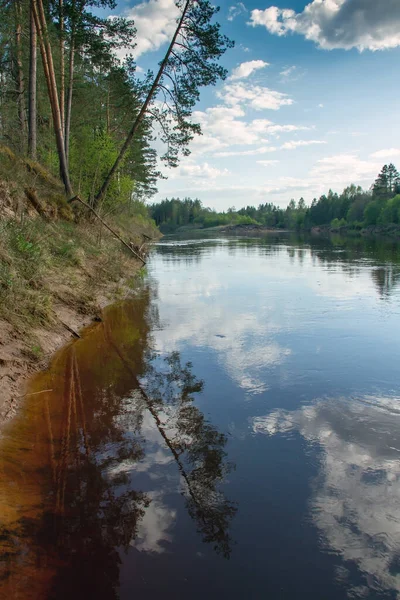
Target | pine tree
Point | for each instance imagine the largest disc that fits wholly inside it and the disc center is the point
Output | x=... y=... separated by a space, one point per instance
x=190 y=62
x=386 y=182
x=393 y=179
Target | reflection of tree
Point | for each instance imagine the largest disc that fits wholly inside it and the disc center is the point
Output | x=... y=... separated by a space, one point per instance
x=197 y=446
x=350 y=253
x=333 y=251
x=70 y=510
x=385 y=279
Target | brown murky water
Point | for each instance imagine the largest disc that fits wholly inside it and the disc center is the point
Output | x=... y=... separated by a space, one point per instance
x=69 y=502
x=57 y=505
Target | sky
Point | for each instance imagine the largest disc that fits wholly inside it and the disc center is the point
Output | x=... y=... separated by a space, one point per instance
x=311 y=101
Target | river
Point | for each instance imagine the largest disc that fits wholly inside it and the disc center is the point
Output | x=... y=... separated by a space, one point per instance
x=231 y=430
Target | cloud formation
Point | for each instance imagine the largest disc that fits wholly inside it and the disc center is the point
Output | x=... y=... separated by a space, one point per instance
x=222 y=126
x=297 y=143
x=362 y=24
x=202 y=171
x=267 y=163
x=155 y=21
x=287 y=73
x=257 y=97
x=247 y=68
x=252 y=152
x=388 y=153
x=236 y=10
x=225 y=126
x=344 y=167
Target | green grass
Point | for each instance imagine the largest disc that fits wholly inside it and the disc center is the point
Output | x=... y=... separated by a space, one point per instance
x=63 y=257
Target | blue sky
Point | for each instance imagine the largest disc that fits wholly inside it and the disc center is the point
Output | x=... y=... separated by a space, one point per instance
x=311 y=101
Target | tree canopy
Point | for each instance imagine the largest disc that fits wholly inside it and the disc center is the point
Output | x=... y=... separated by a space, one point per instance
x=67 y=101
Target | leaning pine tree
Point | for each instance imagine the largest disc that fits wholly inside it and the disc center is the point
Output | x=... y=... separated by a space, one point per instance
x=191 y=62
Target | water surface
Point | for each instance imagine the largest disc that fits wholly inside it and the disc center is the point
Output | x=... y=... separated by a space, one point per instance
x=232 y=430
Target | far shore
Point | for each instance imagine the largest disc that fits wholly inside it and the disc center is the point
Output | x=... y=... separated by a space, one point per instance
x=392 y=230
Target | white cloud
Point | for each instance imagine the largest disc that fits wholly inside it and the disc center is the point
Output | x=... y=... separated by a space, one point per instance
x=320 y=105
x=247 y=68
x=225 y=126
x=273 y=129
x=298 y=143
x=252 y=152
x=362 y=24
x=388 y=153
x=203 y=171
x=222 y=127
x=155 y=21
x=267 y=163
x=236 y=10
x=257 y=97
x=290 y=74
x=344 y=168
x=292 y=145
x=283 y=185
x=286 y=73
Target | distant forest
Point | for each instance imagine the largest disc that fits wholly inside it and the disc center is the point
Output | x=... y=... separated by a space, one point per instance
x=354 y=207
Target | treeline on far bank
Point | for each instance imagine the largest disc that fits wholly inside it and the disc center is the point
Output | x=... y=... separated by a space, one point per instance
x=354 y=207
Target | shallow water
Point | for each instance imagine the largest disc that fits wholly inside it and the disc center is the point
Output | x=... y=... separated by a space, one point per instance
x=267 y=467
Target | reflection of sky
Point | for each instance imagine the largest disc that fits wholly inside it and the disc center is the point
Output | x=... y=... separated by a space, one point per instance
x=280 y=325
x=154 y=531
x=255 y=306
x=195 y=311
x=356 y=498
x=157 y=475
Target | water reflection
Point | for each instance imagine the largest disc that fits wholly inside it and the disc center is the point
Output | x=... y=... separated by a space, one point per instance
x=355 y=500
x=71 y=501
x=111 y=483
x=199 y=308
x=349 y=254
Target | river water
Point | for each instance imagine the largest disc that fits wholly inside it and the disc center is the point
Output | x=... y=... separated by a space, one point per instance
x=232 y=430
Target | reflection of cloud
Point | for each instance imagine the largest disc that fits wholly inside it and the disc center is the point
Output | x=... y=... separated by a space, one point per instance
x=356 y=500
x=153 y=530
x=243 y=342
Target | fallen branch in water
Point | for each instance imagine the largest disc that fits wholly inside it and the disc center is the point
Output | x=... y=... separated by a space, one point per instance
x=23 y=396
x=74 y=333
x=33 y=393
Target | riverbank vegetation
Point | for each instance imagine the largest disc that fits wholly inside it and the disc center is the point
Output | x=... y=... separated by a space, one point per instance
x=56 y=272
x=354 y=208
x=77 y=122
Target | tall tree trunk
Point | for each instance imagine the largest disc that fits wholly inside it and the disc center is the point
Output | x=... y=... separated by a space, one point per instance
x=62 y=63
x=48 y=67
x=69 y=94
x=136 y=124
x=108 y=109
x=20 y=73
x=32 y=123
